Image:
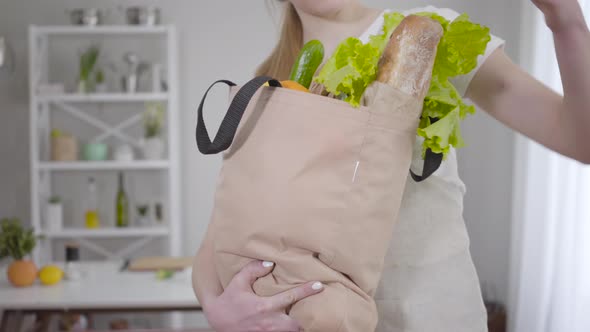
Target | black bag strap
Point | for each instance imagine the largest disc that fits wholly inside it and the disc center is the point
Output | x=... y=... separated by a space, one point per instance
x=432 y=162
x=233 y=116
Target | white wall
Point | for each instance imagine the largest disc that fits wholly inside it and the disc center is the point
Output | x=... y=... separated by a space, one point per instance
x=227 y=39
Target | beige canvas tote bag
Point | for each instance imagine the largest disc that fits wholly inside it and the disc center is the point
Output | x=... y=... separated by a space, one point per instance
x=314 y=185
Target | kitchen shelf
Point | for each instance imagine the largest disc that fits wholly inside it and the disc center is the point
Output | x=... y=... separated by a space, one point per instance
x=104 y=97
x=66 y=110
x=106 y=232
x=100 y=30
x=104 y=165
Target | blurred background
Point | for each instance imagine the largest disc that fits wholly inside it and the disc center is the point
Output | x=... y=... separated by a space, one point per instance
x=114 y=127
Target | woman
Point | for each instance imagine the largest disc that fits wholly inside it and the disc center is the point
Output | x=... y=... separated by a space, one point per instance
x=429 y=282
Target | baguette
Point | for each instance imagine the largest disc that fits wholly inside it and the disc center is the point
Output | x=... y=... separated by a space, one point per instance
x=408 y=58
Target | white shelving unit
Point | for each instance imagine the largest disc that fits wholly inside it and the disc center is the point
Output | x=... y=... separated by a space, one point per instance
x=104 y=165
x=43 y=170
x=104 y=97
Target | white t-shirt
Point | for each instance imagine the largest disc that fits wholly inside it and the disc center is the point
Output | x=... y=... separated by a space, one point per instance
x=429 y=282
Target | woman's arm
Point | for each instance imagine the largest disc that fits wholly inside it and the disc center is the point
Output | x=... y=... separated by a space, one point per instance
x=238 y=308
x=518 y=100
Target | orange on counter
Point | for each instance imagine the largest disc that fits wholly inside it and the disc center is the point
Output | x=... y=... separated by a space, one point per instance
x=22 y=273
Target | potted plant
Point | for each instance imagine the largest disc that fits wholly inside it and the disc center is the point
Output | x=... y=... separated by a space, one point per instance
x=153 y=144
x=54 y=214
x=18 y=243
x=87 y=62
x=101 y=86
x=142 y=214
x=64 y=146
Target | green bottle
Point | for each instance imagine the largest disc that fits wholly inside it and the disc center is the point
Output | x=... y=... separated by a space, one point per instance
x=122 y=204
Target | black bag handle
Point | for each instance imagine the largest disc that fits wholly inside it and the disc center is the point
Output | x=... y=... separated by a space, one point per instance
x=432 y=162
x=229 y=125
x=233 y=116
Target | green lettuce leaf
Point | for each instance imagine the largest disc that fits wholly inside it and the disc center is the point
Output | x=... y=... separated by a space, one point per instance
x=462 y=42
x=441 y=99
x=443 y=21
x=350 y=70
x=353 y=65
x=390 y=22
x=439 y=136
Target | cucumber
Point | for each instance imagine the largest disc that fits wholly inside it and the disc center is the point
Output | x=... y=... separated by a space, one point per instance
x=309 y=59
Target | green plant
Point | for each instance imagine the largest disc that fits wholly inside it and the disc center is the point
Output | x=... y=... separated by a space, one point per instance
x=99 y=76
x=54 y=199
x=15 y=240
x=56 y=133
x=88 y=61
x=142 y=210
x=152 y=119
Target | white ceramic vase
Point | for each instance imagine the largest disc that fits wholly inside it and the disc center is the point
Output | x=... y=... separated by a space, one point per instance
x=142 y=221
x=153 y=148
x=85 y=86
x=54 y=216
x=124 y=153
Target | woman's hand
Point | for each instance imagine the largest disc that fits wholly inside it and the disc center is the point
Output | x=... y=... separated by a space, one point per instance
x=239 y=309
x=561 y=14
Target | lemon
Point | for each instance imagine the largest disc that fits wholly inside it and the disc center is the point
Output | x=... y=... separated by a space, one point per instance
x=50 y=275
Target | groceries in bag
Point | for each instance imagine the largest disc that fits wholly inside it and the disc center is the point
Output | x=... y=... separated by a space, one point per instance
x=354 y=66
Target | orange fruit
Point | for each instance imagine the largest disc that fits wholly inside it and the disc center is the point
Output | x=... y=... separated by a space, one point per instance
x=294 y=86
x=22 y=273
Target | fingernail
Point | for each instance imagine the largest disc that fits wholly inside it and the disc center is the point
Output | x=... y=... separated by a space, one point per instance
x=267 y=264
x=317 y=285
